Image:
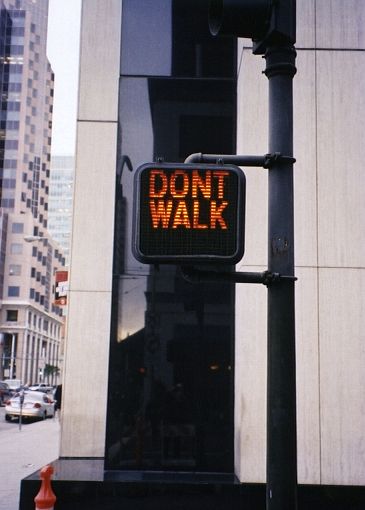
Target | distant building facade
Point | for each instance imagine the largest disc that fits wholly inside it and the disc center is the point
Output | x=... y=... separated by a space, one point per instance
x=60 y=201
x=30 y=324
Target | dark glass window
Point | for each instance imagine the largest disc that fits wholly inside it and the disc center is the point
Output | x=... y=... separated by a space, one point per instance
x=13 y=291
x=170 y=403
x=12 y=315
x=17 y=228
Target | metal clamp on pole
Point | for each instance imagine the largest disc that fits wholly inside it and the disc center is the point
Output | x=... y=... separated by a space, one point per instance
x=265 y=161
x=193 y=275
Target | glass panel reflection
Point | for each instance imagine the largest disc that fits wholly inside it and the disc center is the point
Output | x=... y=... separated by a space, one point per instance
x=170 y=403
x=171 y=38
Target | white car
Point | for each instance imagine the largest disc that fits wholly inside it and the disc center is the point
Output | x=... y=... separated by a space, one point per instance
x=36 y=404
x=41 y=387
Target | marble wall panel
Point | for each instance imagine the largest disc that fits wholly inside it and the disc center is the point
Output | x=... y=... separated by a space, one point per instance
x=342 y=375
x=99 y=60
x=340 y=24
x=84 y=397
x=341 y=153
x=93 y=215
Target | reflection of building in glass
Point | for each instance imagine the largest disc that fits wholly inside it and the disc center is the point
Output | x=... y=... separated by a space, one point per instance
x=60 y=201
x=171 y=381
x=32 y=326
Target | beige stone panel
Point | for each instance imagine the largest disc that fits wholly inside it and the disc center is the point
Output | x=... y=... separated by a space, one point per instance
x=305 y=24
x=86 y=375
x=93 y=214
x=99 y=59
x=250 y=382
x=342 y=375
x=306 y=321
x=341 y=155
x=252 y=139
x=305 y=168
x=340 y=24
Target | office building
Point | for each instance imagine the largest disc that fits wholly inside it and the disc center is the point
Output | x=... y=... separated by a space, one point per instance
x=60 y=201
x=31 y=325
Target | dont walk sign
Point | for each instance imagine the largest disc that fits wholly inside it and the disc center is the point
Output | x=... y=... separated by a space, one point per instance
x=185 y=213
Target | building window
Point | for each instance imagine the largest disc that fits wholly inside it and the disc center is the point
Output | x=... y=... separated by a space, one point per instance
x=17 y=228
x=31 y=293
x=15 y=269
x=13 y=291
x=12 y=315
x=16 y=249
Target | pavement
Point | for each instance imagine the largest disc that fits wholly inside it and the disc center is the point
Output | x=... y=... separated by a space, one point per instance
x=23 y=451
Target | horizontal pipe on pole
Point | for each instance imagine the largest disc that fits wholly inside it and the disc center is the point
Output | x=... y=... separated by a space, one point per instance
x=234 y=159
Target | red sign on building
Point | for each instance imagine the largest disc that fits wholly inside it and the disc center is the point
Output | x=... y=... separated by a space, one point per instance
x=61 y=288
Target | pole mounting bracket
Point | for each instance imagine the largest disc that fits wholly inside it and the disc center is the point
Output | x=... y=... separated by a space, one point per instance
x=194 y=275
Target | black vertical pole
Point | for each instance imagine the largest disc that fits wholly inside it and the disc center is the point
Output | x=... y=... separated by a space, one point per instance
x=281 y=487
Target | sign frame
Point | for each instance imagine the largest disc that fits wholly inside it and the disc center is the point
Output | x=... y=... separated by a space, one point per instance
x=209 y=256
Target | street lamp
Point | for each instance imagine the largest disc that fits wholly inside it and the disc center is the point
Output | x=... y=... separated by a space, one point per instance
x=32 y=239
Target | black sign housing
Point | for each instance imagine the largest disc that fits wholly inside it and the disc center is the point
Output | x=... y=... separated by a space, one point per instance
x=188 y=213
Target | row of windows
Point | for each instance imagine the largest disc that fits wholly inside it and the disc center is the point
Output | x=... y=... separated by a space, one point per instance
x=14 y=49
x=7 y=183
x=37 y=296
x=8 y=203
x=12 y=316
x=9 y=125
x=12 y=87
x=11 y=106
x=8 y=163
x=15 y=31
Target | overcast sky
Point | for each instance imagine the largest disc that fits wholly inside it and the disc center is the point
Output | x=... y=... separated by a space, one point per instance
x=63 y=54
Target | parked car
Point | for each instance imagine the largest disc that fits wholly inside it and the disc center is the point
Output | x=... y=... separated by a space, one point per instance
x=14 y=384
x=5 y=392
x=41 y=387
x=36 y=404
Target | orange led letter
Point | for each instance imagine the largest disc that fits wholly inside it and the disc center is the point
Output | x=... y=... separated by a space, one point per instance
x=216 y=214
x=162 y=184
x=196 y=210
x=184 y=191
x=160 y=214
x=181 y=215
x=220 y=174
x=204 y=186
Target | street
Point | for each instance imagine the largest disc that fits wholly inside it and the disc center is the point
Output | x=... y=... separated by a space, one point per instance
x=24 y=451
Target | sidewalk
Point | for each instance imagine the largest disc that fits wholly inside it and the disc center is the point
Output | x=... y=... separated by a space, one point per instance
x=23 y=452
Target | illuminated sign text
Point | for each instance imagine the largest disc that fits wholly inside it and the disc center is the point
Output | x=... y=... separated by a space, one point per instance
x=188 y=212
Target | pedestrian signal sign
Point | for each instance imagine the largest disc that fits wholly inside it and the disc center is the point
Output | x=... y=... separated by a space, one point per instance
x=186 y=213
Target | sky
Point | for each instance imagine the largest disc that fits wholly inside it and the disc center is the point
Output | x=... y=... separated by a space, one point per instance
x=63 y=54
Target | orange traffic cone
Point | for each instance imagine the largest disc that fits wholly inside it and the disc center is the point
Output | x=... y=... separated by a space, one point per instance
x=45 y=499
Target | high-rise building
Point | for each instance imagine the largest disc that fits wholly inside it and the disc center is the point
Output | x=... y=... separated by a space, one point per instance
x=31 y=326
x=60 y=201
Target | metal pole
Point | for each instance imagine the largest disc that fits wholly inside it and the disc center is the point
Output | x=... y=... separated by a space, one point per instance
x=12 y=356
x=281 y=487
